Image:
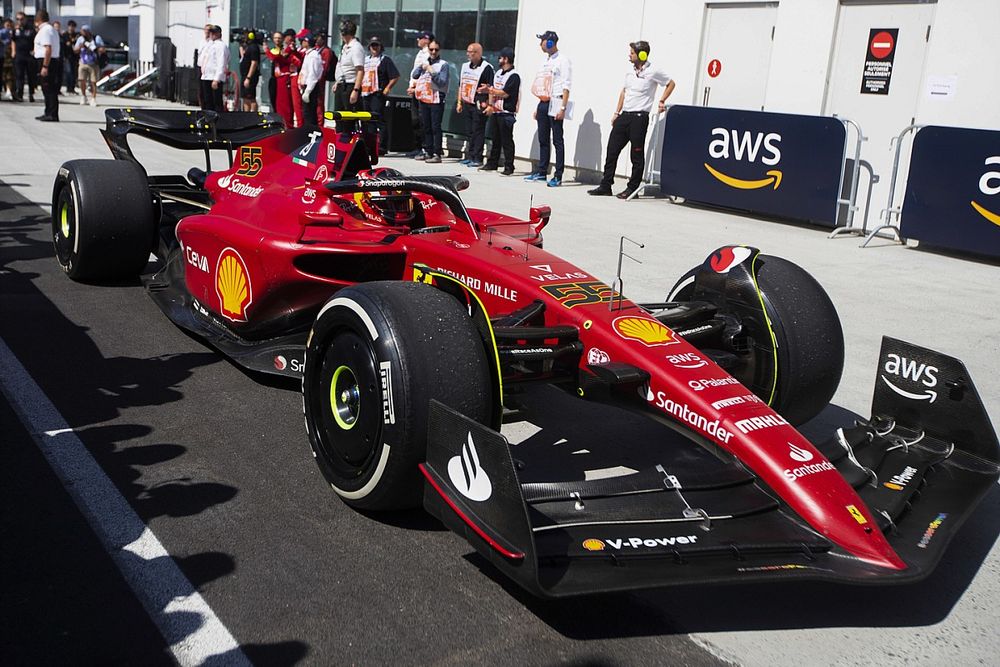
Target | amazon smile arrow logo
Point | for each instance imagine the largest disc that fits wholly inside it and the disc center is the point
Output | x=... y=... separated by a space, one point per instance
x=774 y=176
x=986 y=213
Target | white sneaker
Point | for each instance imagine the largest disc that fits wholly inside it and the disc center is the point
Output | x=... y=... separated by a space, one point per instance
x=83 y=100
x=93 y=101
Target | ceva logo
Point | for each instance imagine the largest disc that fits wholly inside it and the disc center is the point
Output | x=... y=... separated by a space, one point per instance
x=913 y=371
x=746 y=146
x=989 y=190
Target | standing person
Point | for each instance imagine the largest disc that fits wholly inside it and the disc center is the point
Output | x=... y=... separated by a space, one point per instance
x=57 y=26
x=293 y=81
x=6 y=35
x=350 y=68
x=25 y=69
x=272 y=82
x=88 y=48
x=551 y=86
x=69 y=57
x=47 y=59
x=431 y=89
x=631 y=119
x=472 y=104
x=504 y=99
x=286 y=66
x=249 y=71
x=310 y=83
x=423 y=39
x=329 y=67
x=379 y=78
x=214 y=68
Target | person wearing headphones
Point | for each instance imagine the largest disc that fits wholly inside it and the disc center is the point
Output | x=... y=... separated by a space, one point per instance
x=350 y=69
x=631 y=119
x=551 y=86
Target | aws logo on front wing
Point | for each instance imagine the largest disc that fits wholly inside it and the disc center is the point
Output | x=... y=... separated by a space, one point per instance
x=749 y=147
x=988 y=189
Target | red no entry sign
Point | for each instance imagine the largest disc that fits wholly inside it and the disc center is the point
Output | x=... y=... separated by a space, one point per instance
x=881 y=45
x=715 y=68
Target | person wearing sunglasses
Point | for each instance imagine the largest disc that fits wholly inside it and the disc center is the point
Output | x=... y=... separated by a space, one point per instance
x=430 y=90
x=379 y=78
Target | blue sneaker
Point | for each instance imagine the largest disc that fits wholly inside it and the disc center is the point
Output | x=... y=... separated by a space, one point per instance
x=534 y=177
x=555 y=182
x=464 y=161
x=473 y=164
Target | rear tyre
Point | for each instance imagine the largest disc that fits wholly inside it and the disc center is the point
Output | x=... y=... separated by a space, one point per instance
x=103 y=223
x=378 y=353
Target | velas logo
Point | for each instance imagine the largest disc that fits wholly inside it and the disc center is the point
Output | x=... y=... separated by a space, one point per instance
x=649 y=332
x=746 y=146
x=989 y=190
x=232 y=284
x=724 y=259
x=905 y=371
x=468 y=476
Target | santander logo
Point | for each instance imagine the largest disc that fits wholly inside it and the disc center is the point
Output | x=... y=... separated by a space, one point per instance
x=468 y=476
x=799 y=454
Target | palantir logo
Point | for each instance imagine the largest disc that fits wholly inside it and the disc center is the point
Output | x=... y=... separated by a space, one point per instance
x=468 y=476
x=745 y=146
x=989 y=190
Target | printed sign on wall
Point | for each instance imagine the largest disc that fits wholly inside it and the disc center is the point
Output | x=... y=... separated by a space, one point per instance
x=879 y=56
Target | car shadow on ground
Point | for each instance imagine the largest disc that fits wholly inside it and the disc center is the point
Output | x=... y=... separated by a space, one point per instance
x=95 y=395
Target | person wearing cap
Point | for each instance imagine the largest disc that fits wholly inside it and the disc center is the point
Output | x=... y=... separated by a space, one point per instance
x=472 y=104
x=87 y=48
x=350 y=69
x=423 y=39
x=431 y=89
x=503 y=101
x=249 y=71
x=379 y=77
x=214 y=70
x=310 y=82
x=551 y=86
x=631 y=119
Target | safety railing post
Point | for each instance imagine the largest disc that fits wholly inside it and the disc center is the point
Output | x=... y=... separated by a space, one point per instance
x=851 y=203
x=651 y=172
x=891 y=211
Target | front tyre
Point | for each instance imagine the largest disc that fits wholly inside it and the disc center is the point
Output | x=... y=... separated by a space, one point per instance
x=378 y=353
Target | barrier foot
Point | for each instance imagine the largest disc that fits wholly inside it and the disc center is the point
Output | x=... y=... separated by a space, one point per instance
x=875 y=232
x=641 y=189
x=845 y=231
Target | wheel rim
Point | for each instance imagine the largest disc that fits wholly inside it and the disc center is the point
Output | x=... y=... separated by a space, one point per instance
x=347 y=407
x=63 y=226
x=64 y=221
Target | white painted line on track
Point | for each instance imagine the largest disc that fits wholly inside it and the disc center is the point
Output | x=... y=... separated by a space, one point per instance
x=192 y=630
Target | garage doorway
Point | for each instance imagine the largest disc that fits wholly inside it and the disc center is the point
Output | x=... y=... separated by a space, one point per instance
x=736 y=55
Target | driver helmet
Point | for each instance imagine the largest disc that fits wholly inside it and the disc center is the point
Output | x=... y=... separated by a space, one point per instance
x=394 y=206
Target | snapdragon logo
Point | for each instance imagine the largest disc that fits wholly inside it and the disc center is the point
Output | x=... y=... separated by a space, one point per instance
x=746 y=146
x=468 y=476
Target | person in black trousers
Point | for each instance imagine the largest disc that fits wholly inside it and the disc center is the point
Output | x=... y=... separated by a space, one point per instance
x=503 y=102
x=46 y=52
x=25 y=69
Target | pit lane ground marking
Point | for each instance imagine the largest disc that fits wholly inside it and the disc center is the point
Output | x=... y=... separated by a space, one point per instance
x=165 y=593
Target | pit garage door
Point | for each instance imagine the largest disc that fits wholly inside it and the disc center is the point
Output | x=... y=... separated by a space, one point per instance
x=736 y=54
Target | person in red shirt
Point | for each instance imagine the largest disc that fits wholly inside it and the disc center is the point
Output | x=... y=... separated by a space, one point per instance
x=286 y=67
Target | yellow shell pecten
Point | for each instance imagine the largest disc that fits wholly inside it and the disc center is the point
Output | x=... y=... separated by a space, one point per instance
x=644 y=330
x=232 y=283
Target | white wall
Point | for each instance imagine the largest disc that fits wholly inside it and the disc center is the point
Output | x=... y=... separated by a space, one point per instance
x=185 y=21
x=595 y=34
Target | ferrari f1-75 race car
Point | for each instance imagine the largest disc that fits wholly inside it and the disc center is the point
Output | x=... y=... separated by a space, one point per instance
x=412 y=319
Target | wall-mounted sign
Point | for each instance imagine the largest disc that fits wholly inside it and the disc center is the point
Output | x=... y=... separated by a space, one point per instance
x=715 y=68
x=879 y=56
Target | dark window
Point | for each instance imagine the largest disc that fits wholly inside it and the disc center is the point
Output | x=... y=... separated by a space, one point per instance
x=456 y=30
x=497 y=30
x=379 y=24
x=317 y=16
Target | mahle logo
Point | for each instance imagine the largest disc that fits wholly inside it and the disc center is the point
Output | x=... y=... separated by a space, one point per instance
x=989 y=190
x=746 y=147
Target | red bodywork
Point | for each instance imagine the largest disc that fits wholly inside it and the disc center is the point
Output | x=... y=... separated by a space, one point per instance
x=276 y=243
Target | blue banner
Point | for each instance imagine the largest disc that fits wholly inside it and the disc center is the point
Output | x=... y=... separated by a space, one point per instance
x=776 y=164
x=953 y=190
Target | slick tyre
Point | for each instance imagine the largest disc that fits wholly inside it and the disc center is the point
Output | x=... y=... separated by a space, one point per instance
x=378 y=353
x=808 y=339
x=103 y=224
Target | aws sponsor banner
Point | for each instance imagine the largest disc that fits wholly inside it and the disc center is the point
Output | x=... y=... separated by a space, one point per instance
x=953 y=189
x=776 y=164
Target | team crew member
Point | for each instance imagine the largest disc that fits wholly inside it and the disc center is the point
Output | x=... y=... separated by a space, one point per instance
x=472 y=104
x=329 y=65
x=504 y=98
x=430 y=90
x=249 y=71
x=23 y=51
x=47 y=42
x=379 y=78
x=69 y=57
x=631 y=119
x=423 y=39
x=311 y=84
x=551 y=86
x=350 y=69
x=214 y=69
x=285 y=61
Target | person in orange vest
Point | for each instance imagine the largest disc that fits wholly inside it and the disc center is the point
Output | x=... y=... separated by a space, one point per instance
x=430 y=89
x=380 y=75
x=472 y=104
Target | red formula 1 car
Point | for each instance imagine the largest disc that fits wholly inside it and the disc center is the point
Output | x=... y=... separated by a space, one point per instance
x=412 y=319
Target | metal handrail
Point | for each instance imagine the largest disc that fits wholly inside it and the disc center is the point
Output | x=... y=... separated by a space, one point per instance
x=851 y=202
x=887 y=213
x=873 y=178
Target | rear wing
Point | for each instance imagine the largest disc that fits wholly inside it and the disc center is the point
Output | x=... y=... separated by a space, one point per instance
x=188 y=130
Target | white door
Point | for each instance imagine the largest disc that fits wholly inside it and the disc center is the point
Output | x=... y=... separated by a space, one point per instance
x=735 y=55
x=881 y=117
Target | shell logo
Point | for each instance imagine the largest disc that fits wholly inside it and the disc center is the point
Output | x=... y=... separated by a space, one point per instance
x=232 y=283
x=593 y=544
x=647 y=331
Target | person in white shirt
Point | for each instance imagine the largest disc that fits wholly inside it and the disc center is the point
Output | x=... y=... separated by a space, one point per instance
x=311 y=76
x=423 y=55
x=350 y=69
x=551 y=86
x=214 y=70
x=47 y=43
x=631 y=119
